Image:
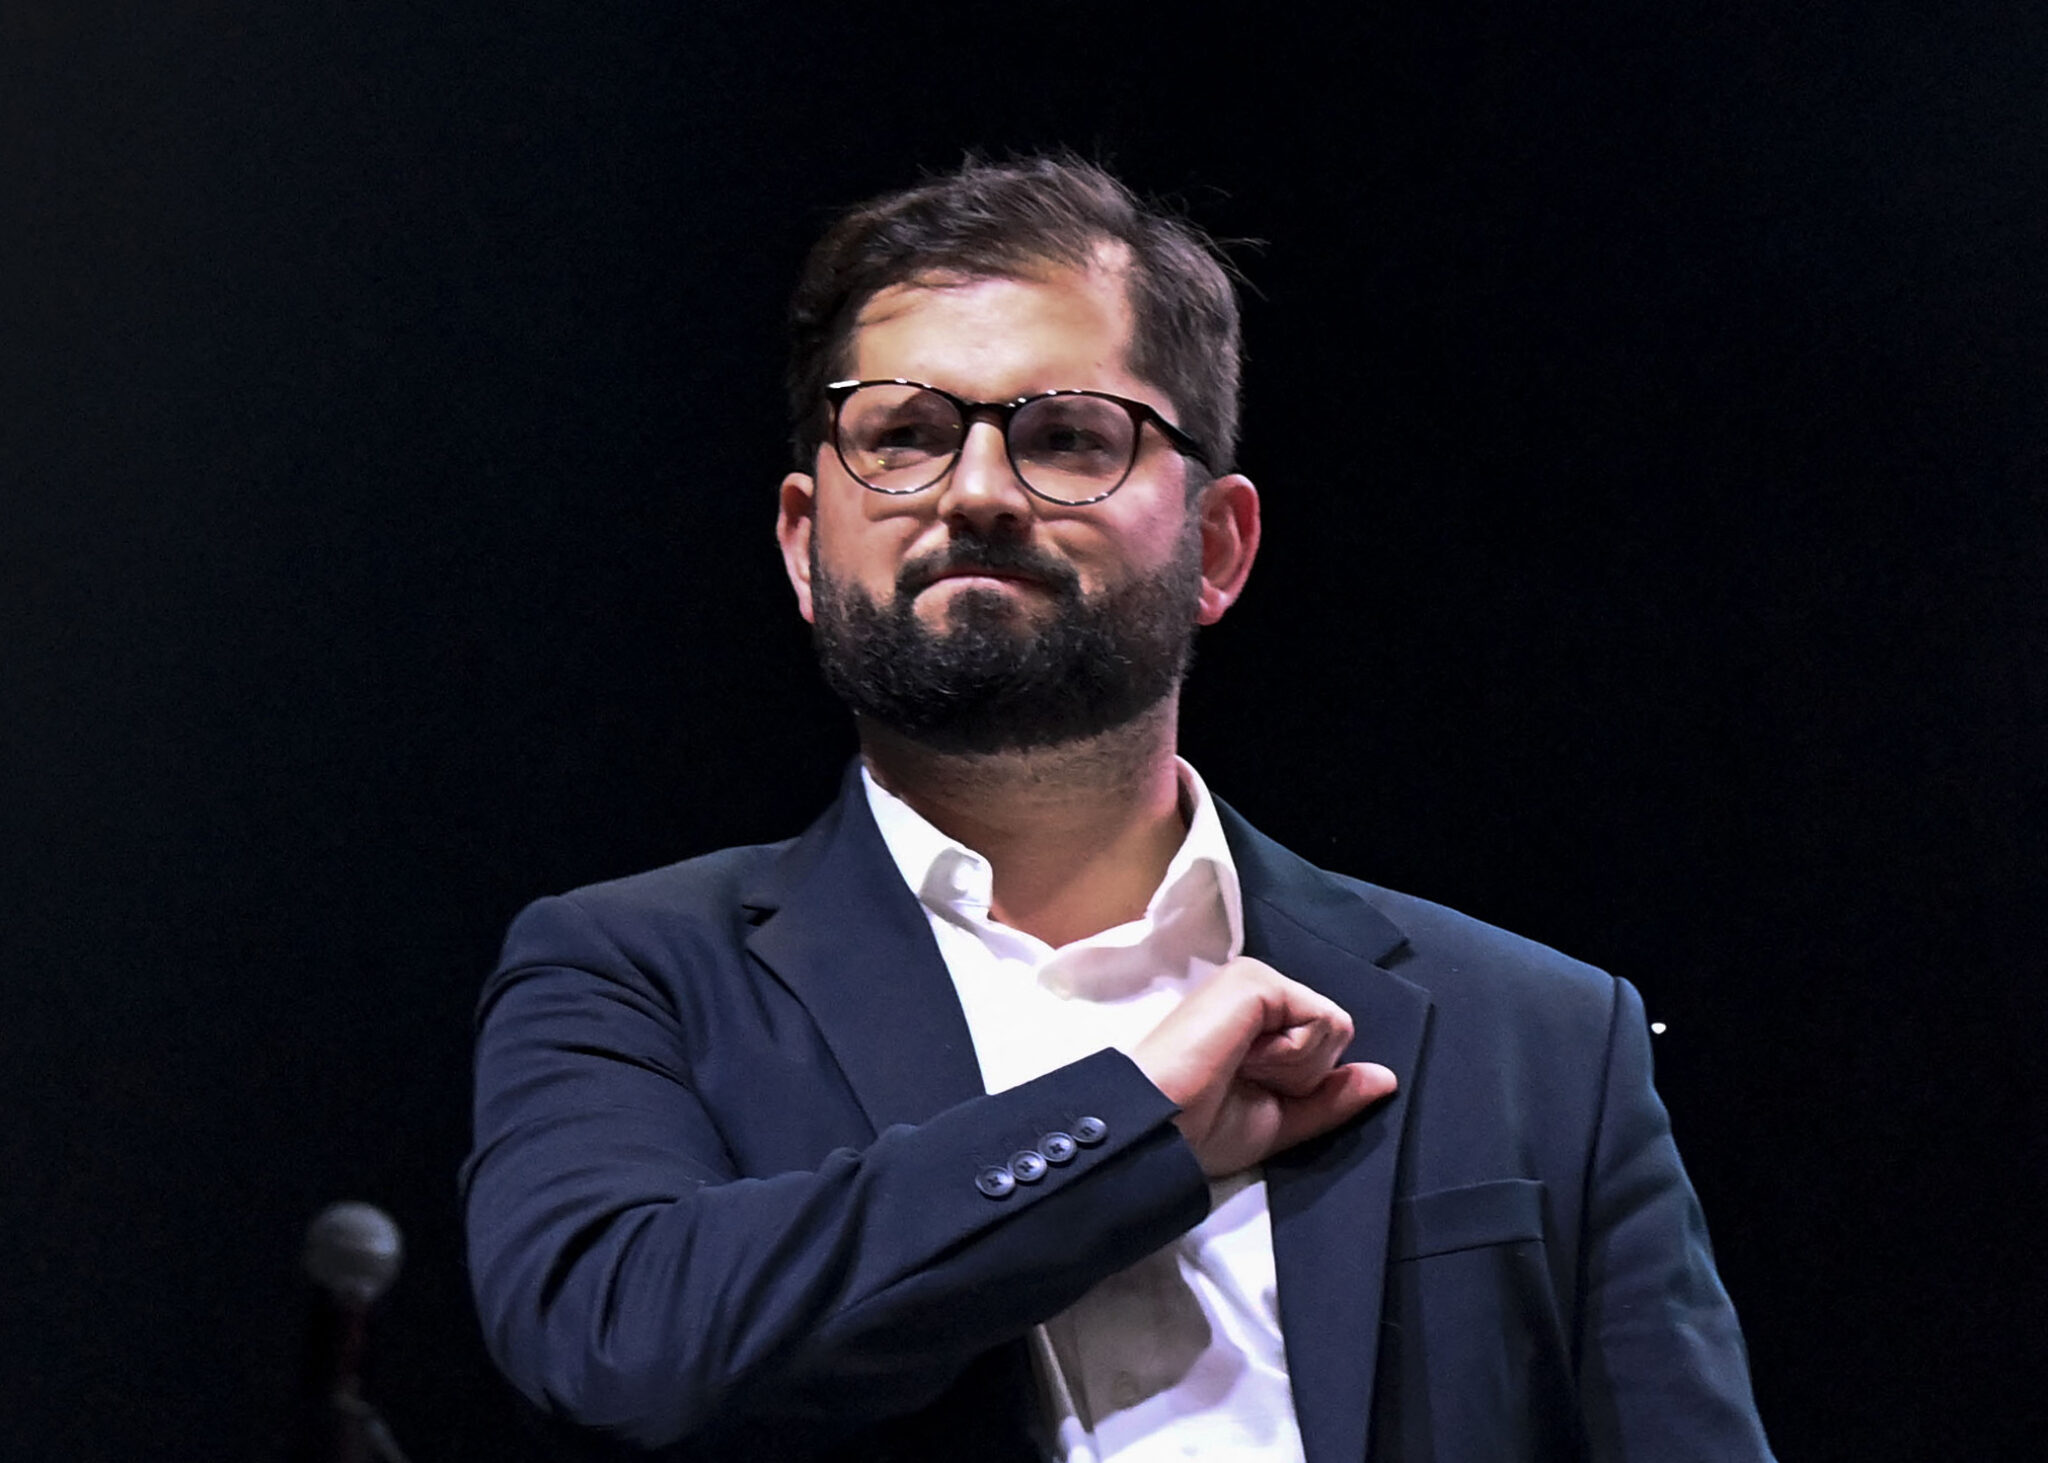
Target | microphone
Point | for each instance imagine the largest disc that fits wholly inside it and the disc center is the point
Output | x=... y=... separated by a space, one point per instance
x=352 y=1254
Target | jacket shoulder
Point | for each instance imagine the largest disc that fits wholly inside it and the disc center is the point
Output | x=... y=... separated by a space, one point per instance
x=1467 y=963
x=644 y=929
x=712 y=882
x=1427 y=943
x=1439 y=929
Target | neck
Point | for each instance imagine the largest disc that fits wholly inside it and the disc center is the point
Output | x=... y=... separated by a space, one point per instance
x=1077 y=836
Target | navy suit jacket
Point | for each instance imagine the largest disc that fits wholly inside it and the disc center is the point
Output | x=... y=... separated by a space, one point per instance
x=722 y=1201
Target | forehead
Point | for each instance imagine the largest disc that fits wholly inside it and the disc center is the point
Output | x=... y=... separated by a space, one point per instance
x=995 y=337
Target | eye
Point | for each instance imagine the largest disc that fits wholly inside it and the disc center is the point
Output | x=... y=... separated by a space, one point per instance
x=1082 y=435
x=888 y=428
x=901 y=437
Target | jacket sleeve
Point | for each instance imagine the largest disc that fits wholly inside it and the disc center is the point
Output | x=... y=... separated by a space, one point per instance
x=631 y=1281
x=1664 y=1377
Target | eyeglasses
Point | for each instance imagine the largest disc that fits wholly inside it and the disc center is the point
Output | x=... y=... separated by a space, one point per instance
x=1068 y=447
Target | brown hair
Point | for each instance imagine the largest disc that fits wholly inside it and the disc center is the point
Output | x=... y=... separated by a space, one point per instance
x=1002 y=220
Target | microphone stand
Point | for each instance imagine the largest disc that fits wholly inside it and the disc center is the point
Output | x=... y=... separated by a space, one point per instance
x=352 y=1254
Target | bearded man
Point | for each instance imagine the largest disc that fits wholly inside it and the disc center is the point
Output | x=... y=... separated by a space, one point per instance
x=1031 y=1104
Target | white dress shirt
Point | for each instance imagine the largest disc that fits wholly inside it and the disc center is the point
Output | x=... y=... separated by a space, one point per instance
x=1180 y=1356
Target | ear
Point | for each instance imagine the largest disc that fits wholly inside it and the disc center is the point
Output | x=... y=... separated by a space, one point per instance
x=1229 y=510
x=795 y=522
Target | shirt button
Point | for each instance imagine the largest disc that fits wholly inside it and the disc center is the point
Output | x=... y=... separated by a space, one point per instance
x=1028 y=1165
x=1058 y=1147
x=995 y=1182
x=1090 y=1131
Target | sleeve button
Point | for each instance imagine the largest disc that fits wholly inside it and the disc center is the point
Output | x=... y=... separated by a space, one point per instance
x=1058 y=1147
x=995 y=1182
x=1090 y=1131
x=1028 y=1165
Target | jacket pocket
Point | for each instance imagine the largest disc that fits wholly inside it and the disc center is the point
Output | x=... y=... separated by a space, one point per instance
x=1500 y=1212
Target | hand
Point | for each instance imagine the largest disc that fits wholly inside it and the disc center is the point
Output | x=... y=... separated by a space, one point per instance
x=1251 y=1058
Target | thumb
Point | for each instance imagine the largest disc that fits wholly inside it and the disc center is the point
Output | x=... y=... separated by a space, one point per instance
x=1344 y=1093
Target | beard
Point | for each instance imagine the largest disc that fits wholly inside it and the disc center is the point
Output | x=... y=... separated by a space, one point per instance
x=992 y=680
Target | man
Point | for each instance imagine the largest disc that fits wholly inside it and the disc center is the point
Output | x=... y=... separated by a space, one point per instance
x=1032 y=1104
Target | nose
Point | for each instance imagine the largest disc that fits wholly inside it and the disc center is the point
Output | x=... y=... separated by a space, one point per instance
x=981 y=491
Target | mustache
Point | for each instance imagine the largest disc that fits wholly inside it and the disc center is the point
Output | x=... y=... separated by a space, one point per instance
x=966 y=555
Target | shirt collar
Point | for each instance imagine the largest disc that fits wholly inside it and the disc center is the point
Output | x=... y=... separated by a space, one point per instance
x=950 y=878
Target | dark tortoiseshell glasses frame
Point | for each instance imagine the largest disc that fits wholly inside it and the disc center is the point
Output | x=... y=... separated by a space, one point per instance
x=1004 y=414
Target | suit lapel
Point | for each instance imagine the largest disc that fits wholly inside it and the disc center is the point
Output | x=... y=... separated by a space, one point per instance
x=1332 y=1199
x=847 y=937
x=843 y=933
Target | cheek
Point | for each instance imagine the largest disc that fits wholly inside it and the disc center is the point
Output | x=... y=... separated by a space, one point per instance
x=1142 y=547
x=856 y=545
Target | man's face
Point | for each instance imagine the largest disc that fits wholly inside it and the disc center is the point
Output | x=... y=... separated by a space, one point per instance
x=972 y=615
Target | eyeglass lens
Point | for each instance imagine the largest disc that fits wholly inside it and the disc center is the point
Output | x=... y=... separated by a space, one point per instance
x=900 y=438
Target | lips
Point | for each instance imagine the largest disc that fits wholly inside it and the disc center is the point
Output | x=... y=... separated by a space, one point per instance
x=1053 y=577
x=1011 y=576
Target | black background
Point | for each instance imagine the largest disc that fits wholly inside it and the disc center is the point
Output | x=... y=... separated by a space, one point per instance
x=1649 y=407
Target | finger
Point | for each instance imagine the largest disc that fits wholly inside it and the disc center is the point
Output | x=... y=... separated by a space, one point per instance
x=1201 y=1042
x=1328 y=1038
x=1289 y=1066
x=1285 y=1082
x=1295 y=1059
x=1290 y=1003
x=1282 y=1004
